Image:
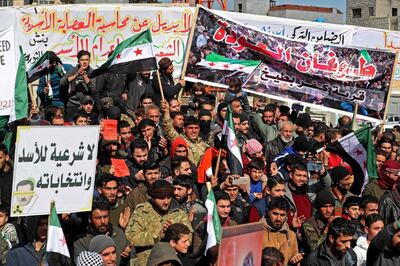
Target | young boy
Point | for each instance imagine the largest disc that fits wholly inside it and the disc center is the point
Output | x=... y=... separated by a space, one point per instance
x=178 y=236
x=351 y=212
x=257 y=178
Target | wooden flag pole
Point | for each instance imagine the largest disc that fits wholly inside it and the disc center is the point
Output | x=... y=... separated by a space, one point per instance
x=354 y=120
x=187 y=52
x=215 y=176
x=33 y=99
x=160 y=85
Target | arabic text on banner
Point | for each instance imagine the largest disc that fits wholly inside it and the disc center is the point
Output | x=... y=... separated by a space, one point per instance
x=54 y=163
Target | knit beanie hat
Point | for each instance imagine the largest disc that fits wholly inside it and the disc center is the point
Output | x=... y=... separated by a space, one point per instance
x=301 y=143
x=252 y=146
x=191 y=120
x=243 y=117
x=324 y=197
x=87 y=258
x=203 y=112
x=100 y=243
x=303 y=120
x=338 y=173
x=162 y=252
x=161 y=189
x=284 y=109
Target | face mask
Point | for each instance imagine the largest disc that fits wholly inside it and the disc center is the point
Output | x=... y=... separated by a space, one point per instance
x=205 y=126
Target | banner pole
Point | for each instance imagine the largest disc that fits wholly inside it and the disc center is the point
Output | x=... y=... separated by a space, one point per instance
x=218 y=163
x=30 y=89
x=189 y=45
x=160 y=85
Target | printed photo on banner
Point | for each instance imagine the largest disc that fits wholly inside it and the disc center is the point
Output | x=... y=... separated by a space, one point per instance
x=54 y=164
x=241 y=245
x=326 y=76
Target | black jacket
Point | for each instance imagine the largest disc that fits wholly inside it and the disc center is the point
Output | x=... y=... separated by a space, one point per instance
x=380 y=252
x=274 y=147
x=170 y=89
x=109 y=85
x=323 y=257
x=389 y=206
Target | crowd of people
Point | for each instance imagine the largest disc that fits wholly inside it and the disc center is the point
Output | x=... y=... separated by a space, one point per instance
x=299 y=187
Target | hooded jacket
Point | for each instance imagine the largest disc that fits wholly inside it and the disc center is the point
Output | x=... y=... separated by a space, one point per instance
x=283 y=239
x=361 y=250
x=389 y=206
x=162 y=252
x=323 y=257
x=380 y=252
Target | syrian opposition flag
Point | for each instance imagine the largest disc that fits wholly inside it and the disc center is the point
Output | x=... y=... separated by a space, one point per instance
x=358 y=151
x=219 y=62
x=234 y=156
x=132 y=55
x=39 y=68
x=19 y=106
x=214 y=228
x=56 y=242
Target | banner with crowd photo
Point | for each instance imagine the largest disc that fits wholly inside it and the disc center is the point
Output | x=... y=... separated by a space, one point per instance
x=318 y=75
x=50 y=165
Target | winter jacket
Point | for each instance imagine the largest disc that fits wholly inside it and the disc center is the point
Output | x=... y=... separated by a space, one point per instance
x=312 y=233
x=323 y=257
x=26 y=255
x=283 y=239
x=77 y=88
x=55 y=78
x=109 y=85
x=170 y=89
x=196 y=148
x=389 y=206
x=6 y=180
x=82 y=244
x=137 y=195
x=269 y=132
x=361 y=250
x=145 y=224
x=136 y=87
x=373 y=189
x=274 y=147
x=380 y=252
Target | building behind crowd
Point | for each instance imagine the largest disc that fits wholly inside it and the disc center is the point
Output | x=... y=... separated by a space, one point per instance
x=310 y=13
x=381 y=14
x=257 y=7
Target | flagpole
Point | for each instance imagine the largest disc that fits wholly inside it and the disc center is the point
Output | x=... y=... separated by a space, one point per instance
x=218 y=163
x=33 y=99
x=160 y=85
x=354 y=120
x=187 y=52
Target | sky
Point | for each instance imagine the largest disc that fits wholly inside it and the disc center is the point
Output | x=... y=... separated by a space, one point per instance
x=339 y=4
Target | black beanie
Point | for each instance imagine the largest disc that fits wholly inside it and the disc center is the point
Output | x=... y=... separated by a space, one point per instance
x=324 y=197
x=113 y=113
x=301 y=143
x=191 y=120
x=338 y=173
x=284 y=109
x=243 y=117
x=204 y=112
x=303 y=120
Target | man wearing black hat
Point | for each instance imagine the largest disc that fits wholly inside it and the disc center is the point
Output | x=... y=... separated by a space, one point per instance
x=314 y=230
x=196 y=145
x=169 y=88
x=150 y=220
x=303 y=122
x=342 y=180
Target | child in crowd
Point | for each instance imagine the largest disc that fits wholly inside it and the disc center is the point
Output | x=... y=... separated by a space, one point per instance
x=257 y=178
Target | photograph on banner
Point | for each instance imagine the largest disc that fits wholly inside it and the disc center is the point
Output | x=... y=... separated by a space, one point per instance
x=343 y=75
x=241 y=245
x=54 y=164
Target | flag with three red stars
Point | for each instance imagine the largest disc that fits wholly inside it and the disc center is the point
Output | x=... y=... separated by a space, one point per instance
x=358 y=151
x=134 y=54
x=219 y=62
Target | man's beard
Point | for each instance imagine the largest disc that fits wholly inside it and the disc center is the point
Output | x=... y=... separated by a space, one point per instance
x=286 y=140
x=183 y=199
